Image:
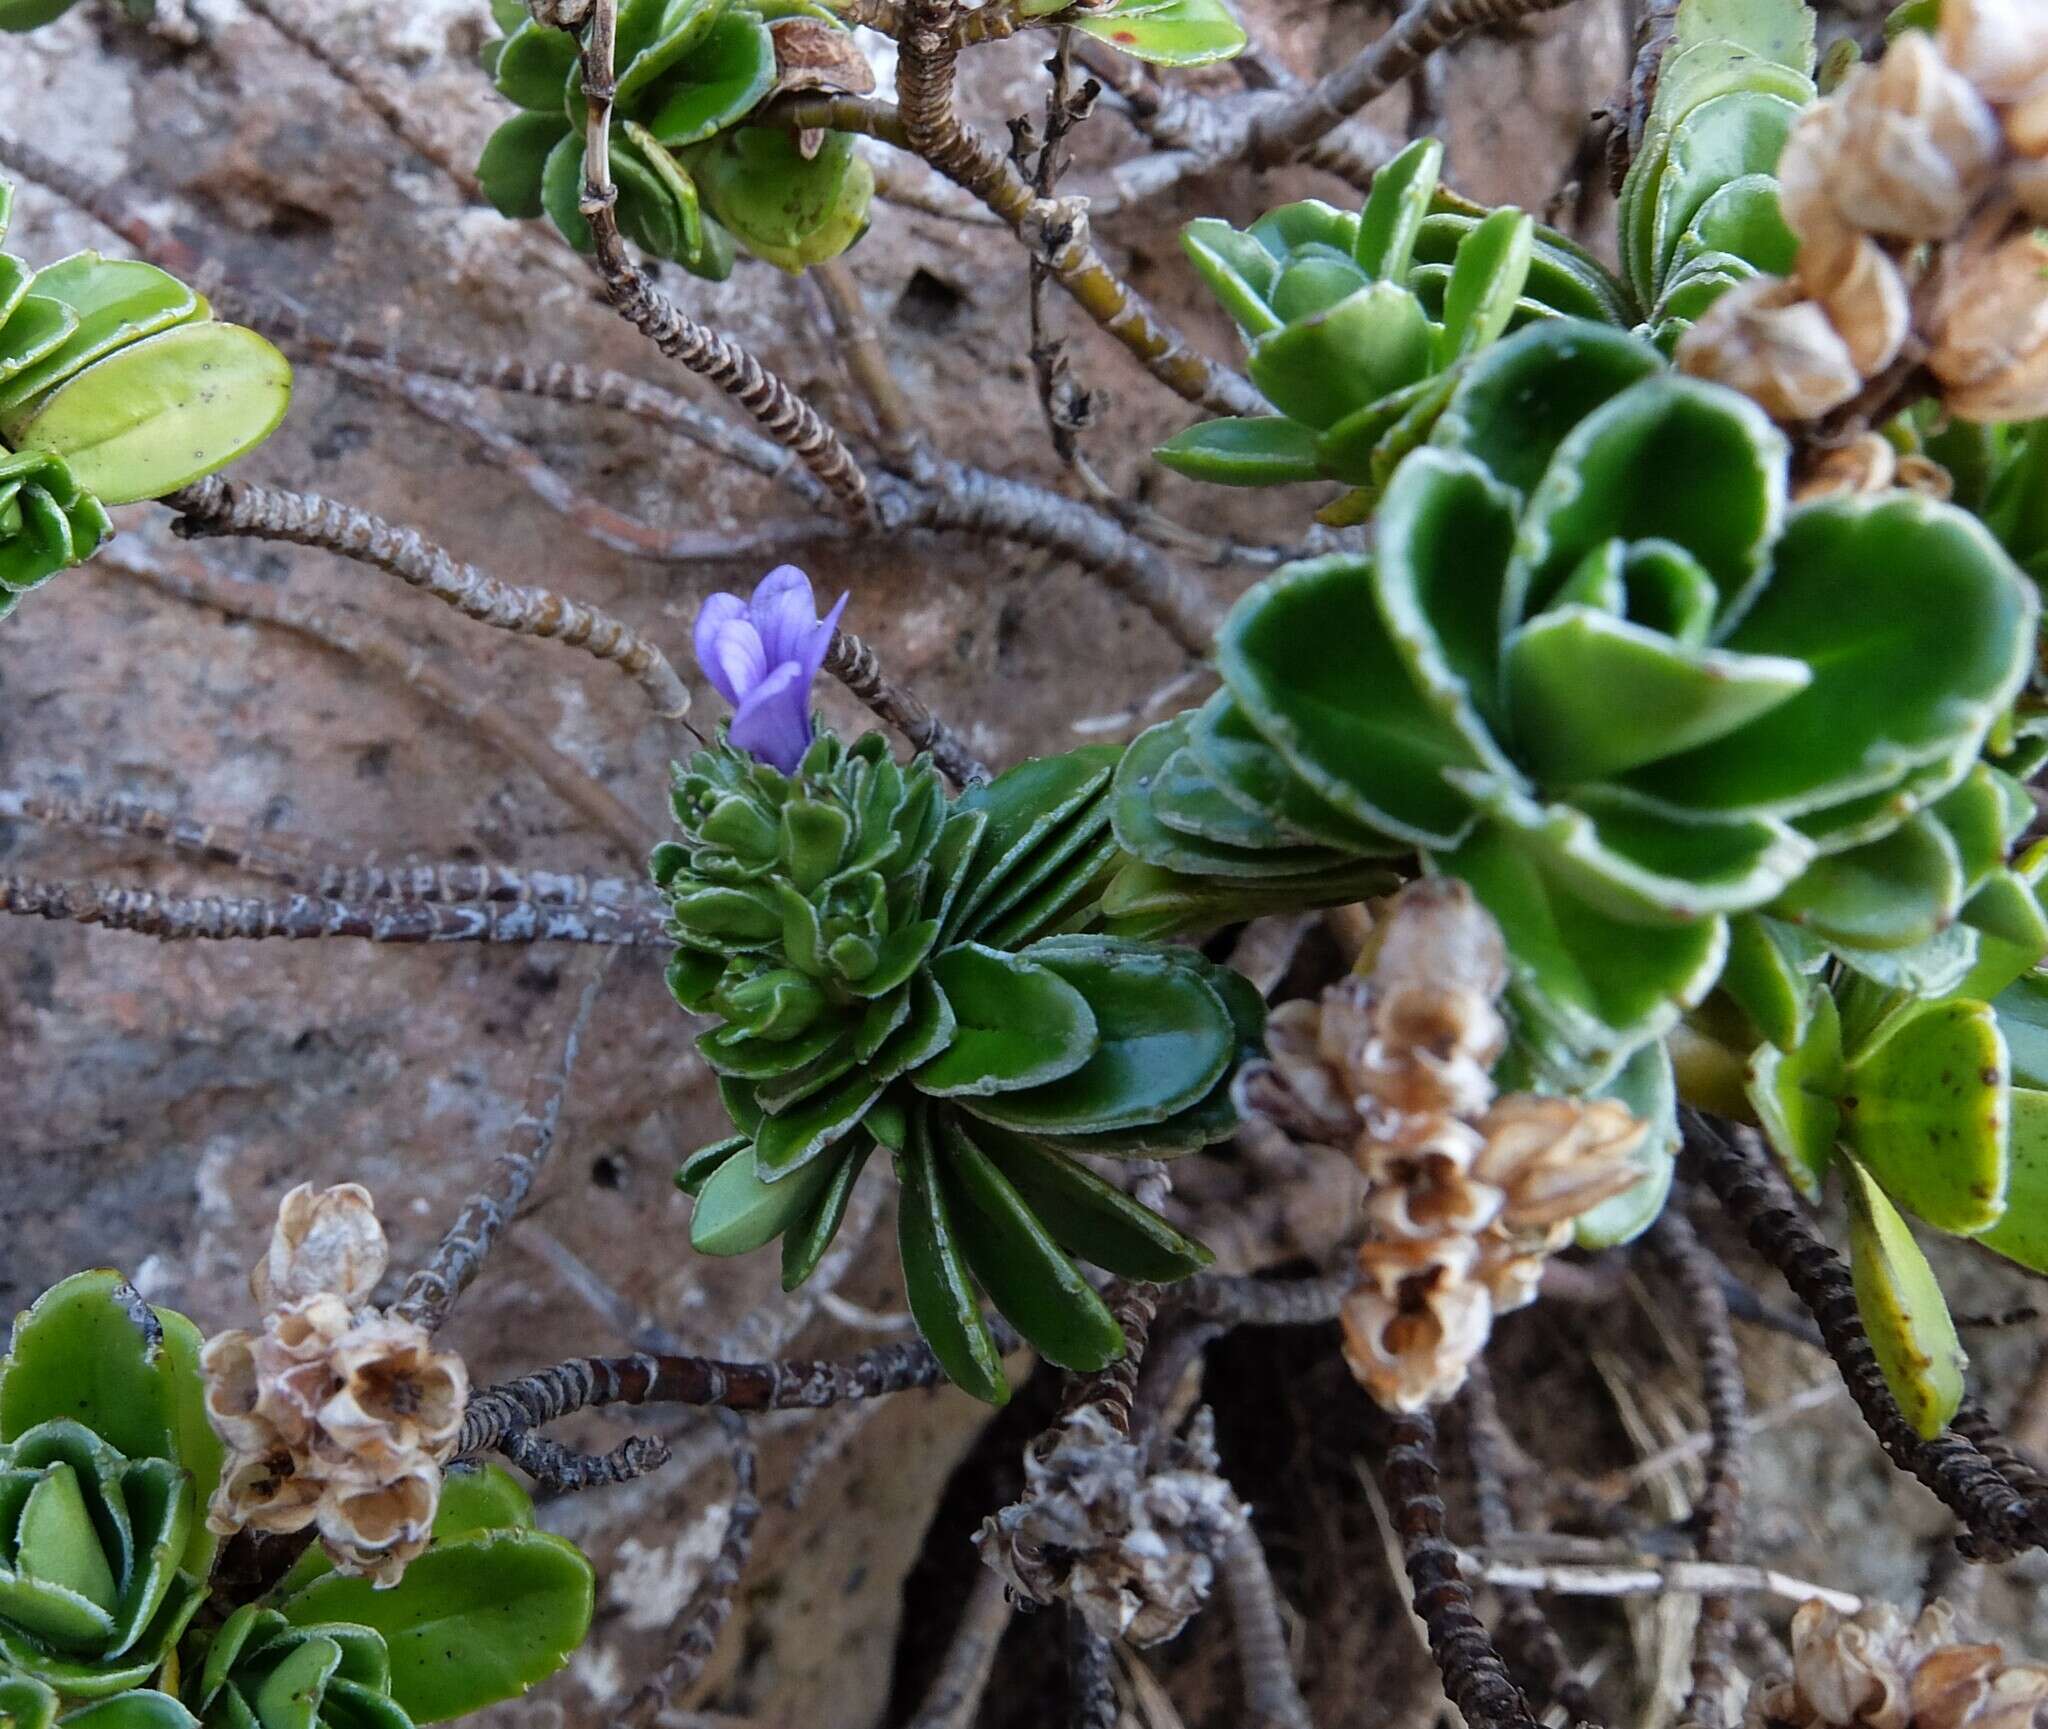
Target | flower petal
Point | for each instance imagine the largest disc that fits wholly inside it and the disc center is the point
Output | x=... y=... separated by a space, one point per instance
x=737 y=654
x=713 y=618
x=784 y=611
x=774 y=721
x=811 y=653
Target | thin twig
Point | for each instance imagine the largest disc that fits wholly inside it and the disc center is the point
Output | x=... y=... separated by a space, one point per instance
x=309 y=918
x=1717 y=1514
x=954 y=1698
x=433 y=1290
x=784 y=415
x=1655 y=1578
x=1272 y=1697
x=860 y=347
x=557 y=1469
x=711 y=1606
x=1066 y=406
x=471 y=708
x=855 y=664
x=1251 y=1302
x=219 y=506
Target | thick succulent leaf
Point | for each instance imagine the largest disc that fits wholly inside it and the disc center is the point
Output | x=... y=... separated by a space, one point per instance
x=935 y=1278
x=1019 y=1024
x=514 y=159
x=1392 y=219
x=1087 y=1215
x=1240 y=272
x=1069 y=900
x=723 y=78
x=1902 y=1308
x=1310 y=661
x=1486 y=284
x=2023 y=1022
x=1051 y=873
x=1321 y=368
x=1245 y=768
x=653 y=37
x=1918 y=630
x=1165 y=1038
x=1179 y=33
x=194 y=1444
x=1925 y=1112
x=1984 y=814
x=533 y=66
x=117 y=301
x=1267 y=451
x=1888 y=894
x=1592 y=988
x=163 y=412
x=472 y=1622
x=36 y=326
x=1934 y=968
x=1646 y=1086
x=794 y=1137
x=1023 y=807
x=1768 y=976
x=145 y=1708
x=1519 y=400
x=737 y=1212
x=1796 y=1092
x=698 y=1169
x=1724 y=138
x=784 y=207
x=1025 y=1272
x=805 y=1242
x=2021 y=1234
x=1144 y=901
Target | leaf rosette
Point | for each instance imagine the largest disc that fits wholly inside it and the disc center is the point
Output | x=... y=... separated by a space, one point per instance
x=1357 y=324
x=116 y=384
x=694 y=181
x=26 y=1703
x=890 y=968
x=1599 y=670
x=262 y=1672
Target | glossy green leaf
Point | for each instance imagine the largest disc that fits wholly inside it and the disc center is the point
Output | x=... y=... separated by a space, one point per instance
x=36 y=326
x=1245 y=768
x=1024 y=806
x=1646 y=1086
x=1486 y=284
x=1796 y=1092
x=1143 y=901
x=1165 y=1038
x=1025 y=1272
x=163 y=412
x=1019 y=1024
x=935 y=1279
x=145 y=1708
x=1768 y=975
x=1902 y=1308
x=792 y=1137
x=725 y=76
x=89 y=1349
x=514 y=159
x=1270 y=451
x=1925 y=1111
x=2021 y=1233
x=472 y=1622
x=788 y=209
x=697 y=1169
x=805 y=1242
x=1391 y=221
x=1087 y=1215
x=1888 y=894
x=1178 y=33
x=1240 y=272
x=1319 y=369
x=737 y=1212
x=116 y=301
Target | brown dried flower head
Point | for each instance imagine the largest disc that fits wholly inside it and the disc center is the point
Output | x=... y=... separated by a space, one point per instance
x=335 y=1415
x=1988 y=330
x=1553 y=1159
x=2001 y=46
x=1414 y=1328
x=1766 y=339
x=325 y=1241
x=1864 y=296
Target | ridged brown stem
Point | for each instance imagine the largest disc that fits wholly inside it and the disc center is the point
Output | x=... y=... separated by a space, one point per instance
x=289 y=862
x=648 y=1378
x=710 y=1606
x=1475 y=1677
x=219 y=506
x=1114 y=1390
x=1530 y=1642
x=855 y=664
x=969 y=159
x=954 y=1697
x=1997 y=1519
x=780 y=412
x=1245 y=1301
x=562 y=1471
x=1272 y=1697
x=1717 y=1515
x=309 y=918
x=459 y=1257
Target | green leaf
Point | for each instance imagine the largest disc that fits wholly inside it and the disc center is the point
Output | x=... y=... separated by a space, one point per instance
x=514 y=158
x=1165 y=1039
x=1722 y=139
x=116 y=300
x=1178 y=33
x=1646 y=1086
x=1320 y=368
x=1902 y=1308
x=1486 y=284
x=1025 y=1272
x=1019 y=1025
x=163 y=412
x=737 y=1212
x=23 y=15
x=1245 y=768
x=804 y=1243
x=471 y=1623
x=1024 y=806
x=533 y=66
x=480 y=1498
x=1887 y=894
x=1143 y=901
x=935 y=1281
x=1797 y=1091
x=1768 y=976
x=1918 y=632
x=789 y=209
x=723 y=78
x=1087 y=1215
x=1391 y=221
x=194 y=1444
x=2021 y=1233
x=1352 y=723
x=793 y=1137
x=698 y=1168
x=145 y=1708
x=1925 y=1112
x=1240 y=272
x=89 y=1349
x=36 y=326
x=1269 y=451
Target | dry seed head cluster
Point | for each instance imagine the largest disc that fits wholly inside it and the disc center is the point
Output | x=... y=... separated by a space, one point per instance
x=1467 y=1192
x=336 y=1415
x=1876 y=1670
x=1913 y=190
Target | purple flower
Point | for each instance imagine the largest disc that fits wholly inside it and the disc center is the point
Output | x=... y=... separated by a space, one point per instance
x=762 y=654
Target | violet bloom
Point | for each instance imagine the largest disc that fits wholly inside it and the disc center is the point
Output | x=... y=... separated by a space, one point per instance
x=763 y=654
